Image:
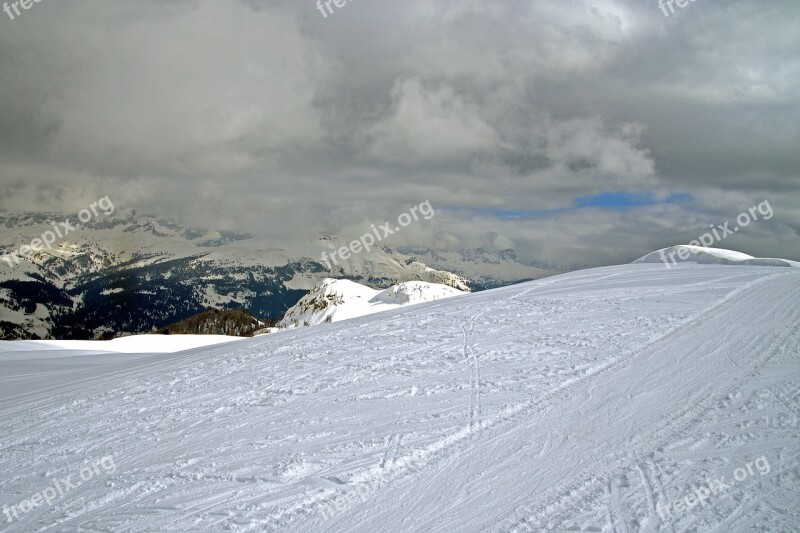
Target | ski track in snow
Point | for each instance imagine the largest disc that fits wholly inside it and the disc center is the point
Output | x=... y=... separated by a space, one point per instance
x=584 y=402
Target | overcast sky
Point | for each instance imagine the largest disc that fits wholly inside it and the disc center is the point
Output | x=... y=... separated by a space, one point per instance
x=578 y=131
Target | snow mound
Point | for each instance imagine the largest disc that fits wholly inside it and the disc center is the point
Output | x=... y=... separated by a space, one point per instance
x=414 y=292
x=710 y=256
x=333 y=300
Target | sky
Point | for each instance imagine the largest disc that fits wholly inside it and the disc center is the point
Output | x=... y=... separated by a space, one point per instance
x=574 y=131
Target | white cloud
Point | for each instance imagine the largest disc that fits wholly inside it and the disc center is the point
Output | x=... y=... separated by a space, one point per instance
x=430 y=125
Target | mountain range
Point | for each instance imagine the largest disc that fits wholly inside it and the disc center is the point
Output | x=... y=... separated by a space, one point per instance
x=134 y=274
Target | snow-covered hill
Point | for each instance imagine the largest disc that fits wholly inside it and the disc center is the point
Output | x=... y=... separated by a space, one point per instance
x=598 y=400
x=710 y=256
x=333 y=300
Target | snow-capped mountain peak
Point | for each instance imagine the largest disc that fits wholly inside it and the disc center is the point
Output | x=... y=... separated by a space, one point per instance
x=339 y=299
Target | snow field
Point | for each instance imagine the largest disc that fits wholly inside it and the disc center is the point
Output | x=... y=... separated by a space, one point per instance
x=587 y=401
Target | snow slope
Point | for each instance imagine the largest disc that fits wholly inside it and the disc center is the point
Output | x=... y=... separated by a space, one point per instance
x=710 y=256
x=587 y=401
x=333 y=300
x=130 y=344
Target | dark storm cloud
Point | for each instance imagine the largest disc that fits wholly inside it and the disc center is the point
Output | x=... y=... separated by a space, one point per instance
x=267 y=117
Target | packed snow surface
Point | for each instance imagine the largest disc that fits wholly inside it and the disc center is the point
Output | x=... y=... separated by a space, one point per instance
x=333 y=300
x=592 y=401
